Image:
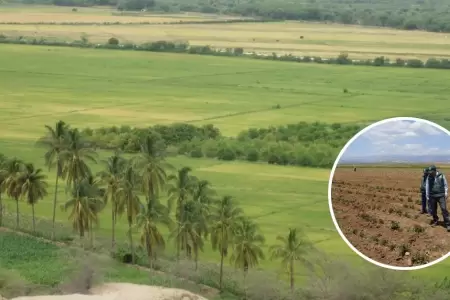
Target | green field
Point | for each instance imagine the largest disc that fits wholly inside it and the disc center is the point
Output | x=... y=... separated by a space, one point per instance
x=40 y=85
x=101 y=87
x=28 y=263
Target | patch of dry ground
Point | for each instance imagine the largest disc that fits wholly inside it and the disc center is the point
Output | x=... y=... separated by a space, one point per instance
x=284 y=38
x=378 y=210
x=113 y=291
x=51 y=14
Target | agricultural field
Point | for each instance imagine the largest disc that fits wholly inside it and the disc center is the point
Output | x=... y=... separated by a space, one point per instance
x=100 y=88
x=290 y=37
x=53 y=14
x=378 y=210
x=272 y=196
x=93 y=88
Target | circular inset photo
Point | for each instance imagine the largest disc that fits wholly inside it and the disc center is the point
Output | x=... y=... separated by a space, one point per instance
x=388 y=193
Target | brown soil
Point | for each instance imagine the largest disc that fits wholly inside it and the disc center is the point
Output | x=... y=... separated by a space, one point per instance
x=378 y=210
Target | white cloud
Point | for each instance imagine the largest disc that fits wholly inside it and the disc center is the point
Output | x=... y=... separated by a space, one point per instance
x=399 y=129
x=403 y=137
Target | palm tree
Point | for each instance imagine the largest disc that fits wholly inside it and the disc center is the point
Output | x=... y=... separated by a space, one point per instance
x=179 y=191
x=150 y=216
x=55 y=142
x=3 y=159
x=12 y=170
x=247 y=244
x=96 y=202
x=152 y=167
x=86 y=204
x=33 y=187
x=112 y=177
x=293 y=248
x=224 y=218
x=203 y=197
x=75 y=157
x=192 y=227
x=129 y=202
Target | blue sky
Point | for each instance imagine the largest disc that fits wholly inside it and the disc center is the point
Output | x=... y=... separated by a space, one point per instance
x=400 y=137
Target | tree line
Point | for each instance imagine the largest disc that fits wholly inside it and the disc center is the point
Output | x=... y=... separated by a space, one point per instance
x=133 y=188
x=303 y=144
x=182 y=47
x=402 y=14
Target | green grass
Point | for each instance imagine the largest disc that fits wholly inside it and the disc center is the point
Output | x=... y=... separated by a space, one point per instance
x=28 y=262
x=40 y=85
x=101 y=87
x=30 y=258
x=271 y=195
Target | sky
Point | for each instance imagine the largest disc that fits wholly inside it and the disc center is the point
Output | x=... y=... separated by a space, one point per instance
x=400 y=137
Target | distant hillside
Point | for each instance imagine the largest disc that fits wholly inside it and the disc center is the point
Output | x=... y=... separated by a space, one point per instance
x=430 y=15
x=393 y=159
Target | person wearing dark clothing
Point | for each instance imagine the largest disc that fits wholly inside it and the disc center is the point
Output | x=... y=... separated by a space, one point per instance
x=436 y=189
x=425 y=209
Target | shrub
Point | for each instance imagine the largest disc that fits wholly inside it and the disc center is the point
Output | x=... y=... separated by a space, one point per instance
x=395 y=225
x=113 y=41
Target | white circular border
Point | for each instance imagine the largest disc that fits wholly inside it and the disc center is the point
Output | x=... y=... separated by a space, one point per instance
x=330 y=184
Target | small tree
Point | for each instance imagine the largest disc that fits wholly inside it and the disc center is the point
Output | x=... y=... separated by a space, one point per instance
x=113 y=41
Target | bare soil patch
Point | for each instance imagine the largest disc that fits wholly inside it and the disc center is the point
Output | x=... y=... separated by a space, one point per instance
x=378 y=210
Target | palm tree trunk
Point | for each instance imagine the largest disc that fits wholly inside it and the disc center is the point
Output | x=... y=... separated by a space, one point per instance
x=34 y=219
x=292 y=275
x=245 y=284
x=17 y=213
x=149 y=252
x=130 y=223
x=81 y=228
x=196 y=258
x=91 y=235
x=54 y=204
x=178 y=235
x=221 y=268
x=1 y=211
x=113 y=217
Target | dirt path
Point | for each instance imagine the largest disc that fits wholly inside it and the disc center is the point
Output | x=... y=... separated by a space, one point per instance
x=115 y=291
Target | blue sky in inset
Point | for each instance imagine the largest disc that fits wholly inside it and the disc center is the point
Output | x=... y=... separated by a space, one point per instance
x=400 y=137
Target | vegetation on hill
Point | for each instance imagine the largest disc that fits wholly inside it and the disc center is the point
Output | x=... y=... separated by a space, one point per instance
x=405 y=14
x=31 y=266
x=136 y=188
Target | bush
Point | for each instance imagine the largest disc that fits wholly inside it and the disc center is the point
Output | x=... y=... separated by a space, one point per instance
x=113 y=41
x=305 y=144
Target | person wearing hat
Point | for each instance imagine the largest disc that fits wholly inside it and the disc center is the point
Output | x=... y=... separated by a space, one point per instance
x=423 y=192
x=436 y=189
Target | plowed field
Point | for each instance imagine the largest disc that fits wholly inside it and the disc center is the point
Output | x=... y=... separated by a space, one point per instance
x=378 y=210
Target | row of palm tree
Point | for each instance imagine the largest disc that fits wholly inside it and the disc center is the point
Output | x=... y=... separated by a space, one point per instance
x=19 y=180
x=193 y=214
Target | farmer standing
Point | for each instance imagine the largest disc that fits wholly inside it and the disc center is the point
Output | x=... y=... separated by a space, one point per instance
x=436 y=189
x=424 y=193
